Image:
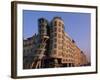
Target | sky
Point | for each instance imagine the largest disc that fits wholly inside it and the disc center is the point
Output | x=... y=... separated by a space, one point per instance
x=77 y=26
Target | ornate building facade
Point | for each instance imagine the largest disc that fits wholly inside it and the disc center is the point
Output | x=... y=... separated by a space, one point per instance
x=58 y=51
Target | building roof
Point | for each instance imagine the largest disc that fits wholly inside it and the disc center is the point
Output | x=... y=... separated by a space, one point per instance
x=57 y=17
x=44 y=19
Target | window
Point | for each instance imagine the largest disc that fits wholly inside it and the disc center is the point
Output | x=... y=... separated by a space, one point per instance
x=63 y=26
x=59 y=41
x=55 y=45
x=51 y=35
x=69 y=64
x=55 y=40
x=55 y=29
x=41 y=21
x=27 y=50
x=55 y=34
x=50 y=46
x=66 y=51
x=31 y=50
x=63 y=59
x=42 y=27
x=59 y=23
x=51 y=30
x=59 y=53
x=59 y=29
x=55 y=23
x=60 y=47
x=51 y=41
x=42 y=31
x=55 y=51
x=63 y=32
x=59 y=35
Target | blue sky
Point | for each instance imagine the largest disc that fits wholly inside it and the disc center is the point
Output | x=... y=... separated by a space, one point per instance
x=77 y=26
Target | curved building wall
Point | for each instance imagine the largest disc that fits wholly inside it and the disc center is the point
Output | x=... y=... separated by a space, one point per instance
x=56 y=37
x=42 y=27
